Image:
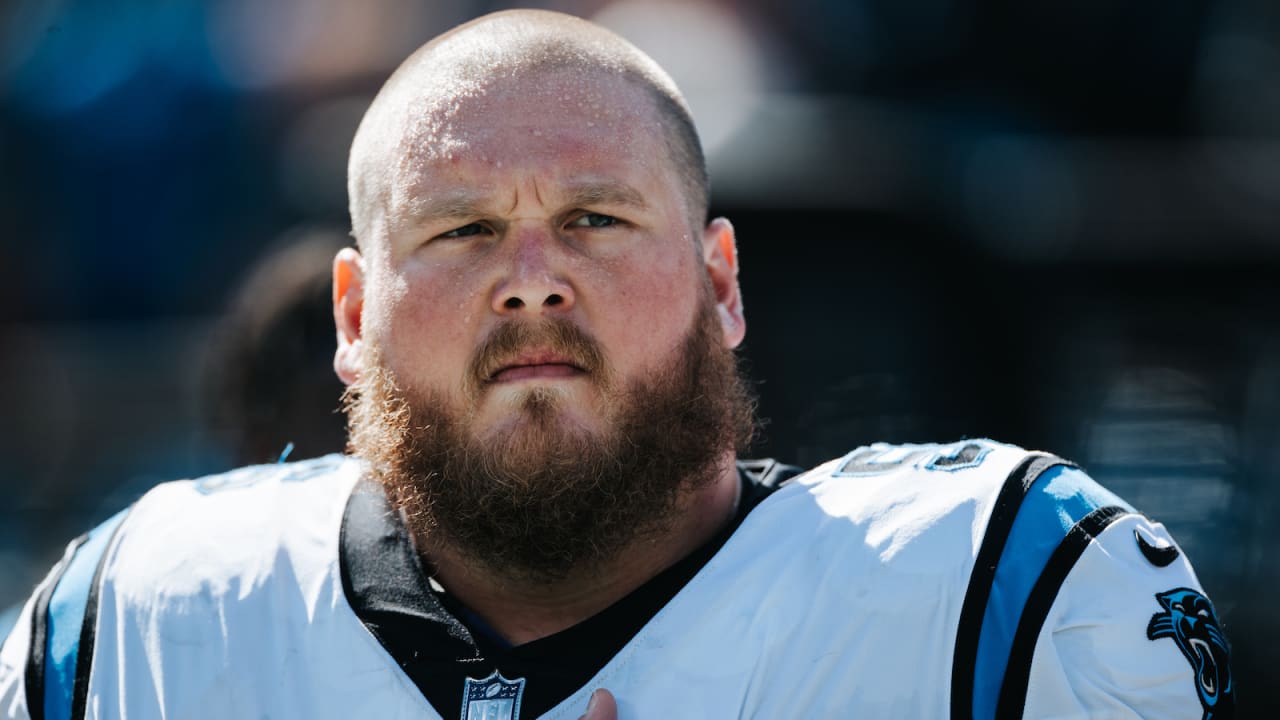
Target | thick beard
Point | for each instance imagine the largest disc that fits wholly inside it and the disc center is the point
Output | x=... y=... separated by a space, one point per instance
x=549 y=501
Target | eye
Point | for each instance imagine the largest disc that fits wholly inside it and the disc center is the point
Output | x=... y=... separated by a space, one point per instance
x=464 y=231
x=594 y=220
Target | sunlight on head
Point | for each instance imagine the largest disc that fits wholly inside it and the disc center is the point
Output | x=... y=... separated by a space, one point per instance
x=408 y=121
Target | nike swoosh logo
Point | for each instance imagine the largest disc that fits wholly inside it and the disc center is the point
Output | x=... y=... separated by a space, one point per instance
x=1158 y=555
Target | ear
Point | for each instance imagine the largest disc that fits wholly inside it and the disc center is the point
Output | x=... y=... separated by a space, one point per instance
x=720 y=253
x=348 y=311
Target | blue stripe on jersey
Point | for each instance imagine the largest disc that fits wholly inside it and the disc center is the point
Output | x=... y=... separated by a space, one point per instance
x=1061 y=497
x=66 y=616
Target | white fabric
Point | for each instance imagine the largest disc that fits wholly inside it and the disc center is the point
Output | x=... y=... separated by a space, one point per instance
x=1093 y=659
x=837 y=597
x=13 y=660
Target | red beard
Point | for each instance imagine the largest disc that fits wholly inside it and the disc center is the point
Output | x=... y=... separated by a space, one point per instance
x=548 y=500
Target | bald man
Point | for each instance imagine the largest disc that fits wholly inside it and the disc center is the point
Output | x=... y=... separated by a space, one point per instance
x=543 y=511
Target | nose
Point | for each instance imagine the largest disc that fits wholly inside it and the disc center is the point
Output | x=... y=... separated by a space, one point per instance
x=534 y=282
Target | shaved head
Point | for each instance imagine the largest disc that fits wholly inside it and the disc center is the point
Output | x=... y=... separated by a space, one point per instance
x=406 y=126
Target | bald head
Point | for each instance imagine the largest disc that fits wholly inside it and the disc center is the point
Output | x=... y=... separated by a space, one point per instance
x=406 y=126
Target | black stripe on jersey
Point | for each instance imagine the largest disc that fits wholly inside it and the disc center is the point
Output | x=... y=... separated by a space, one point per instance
x=1013 y=690
x=40 y=631
x=89 y=634
x=1005 y=511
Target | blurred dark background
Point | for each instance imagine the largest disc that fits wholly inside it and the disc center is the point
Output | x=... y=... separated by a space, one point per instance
x=1055 y=224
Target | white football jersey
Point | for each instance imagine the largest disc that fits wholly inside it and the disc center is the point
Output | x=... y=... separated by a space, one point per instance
x=924 y=581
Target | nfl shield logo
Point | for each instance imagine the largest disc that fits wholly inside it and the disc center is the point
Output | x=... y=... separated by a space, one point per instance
x=493 y=698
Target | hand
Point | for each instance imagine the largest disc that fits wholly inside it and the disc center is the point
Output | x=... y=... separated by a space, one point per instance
x=601 y=706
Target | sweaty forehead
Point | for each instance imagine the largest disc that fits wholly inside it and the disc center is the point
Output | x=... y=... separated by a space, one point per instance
x=549 y=75
x=562 y=119
x=562 y=102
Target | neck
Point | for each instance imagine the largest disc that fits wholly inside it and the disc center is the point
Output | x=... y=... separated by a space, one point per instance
x=522 y=612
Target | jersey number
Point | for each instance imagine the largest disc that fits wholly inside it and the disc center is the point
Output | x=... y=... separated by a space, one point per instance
x=947 y=458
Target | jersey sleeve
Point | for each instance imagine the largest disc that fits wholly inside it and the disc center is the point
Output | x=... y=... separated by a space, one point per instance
x=1080 y=607
x=1130 y=633
x=44 y=663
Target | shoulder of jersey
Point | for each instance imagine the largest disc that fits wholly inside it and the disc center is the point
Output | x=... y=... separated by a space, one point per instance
x=253 y=493
x=967 y=468
x=232 y=524
x=922 y=496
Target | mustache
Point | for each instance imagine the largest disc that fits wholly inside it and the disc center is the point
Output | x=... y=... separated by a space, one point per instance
x=558 y=335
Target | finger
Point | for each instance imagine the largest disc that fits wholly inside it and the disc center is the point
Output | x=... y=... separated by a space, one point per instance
x=601 y=706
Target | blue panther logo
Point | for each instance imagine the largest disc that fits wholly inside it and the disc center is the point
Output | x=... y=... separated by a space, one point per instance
x=1190 y=620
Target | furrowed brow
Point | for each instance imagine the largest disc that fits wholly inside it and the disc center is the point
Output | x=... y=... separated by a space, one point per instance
x=466 y=206
x=606 y=193
x=461 y=206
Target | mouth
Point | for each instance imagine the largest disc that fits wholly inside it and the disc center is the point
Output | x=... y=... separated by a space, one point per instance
x=537 y=366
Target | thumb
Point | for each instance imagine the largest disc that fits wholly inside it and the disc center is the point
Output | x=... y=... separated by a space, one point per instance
x=601 y=706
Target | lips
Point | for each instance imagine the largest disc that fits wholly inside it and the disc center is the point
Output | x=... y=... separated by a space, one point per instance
x=536 y=372
x=536 y=365
x=551 y=350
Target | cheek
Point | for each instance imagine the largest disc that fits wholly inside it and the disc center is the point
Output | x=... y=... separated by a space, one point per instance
x=418 y=324
x=654 y=302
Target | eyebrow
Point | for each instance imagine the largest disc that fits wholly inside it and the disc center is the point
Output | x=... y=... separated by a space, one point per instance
x=452 y=206
x=462 y=205
x=606 y=192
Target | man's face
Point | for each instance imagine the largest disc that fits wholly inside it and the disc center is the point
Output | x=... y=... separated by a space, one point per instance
x=529 y=199
x=542 y=363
